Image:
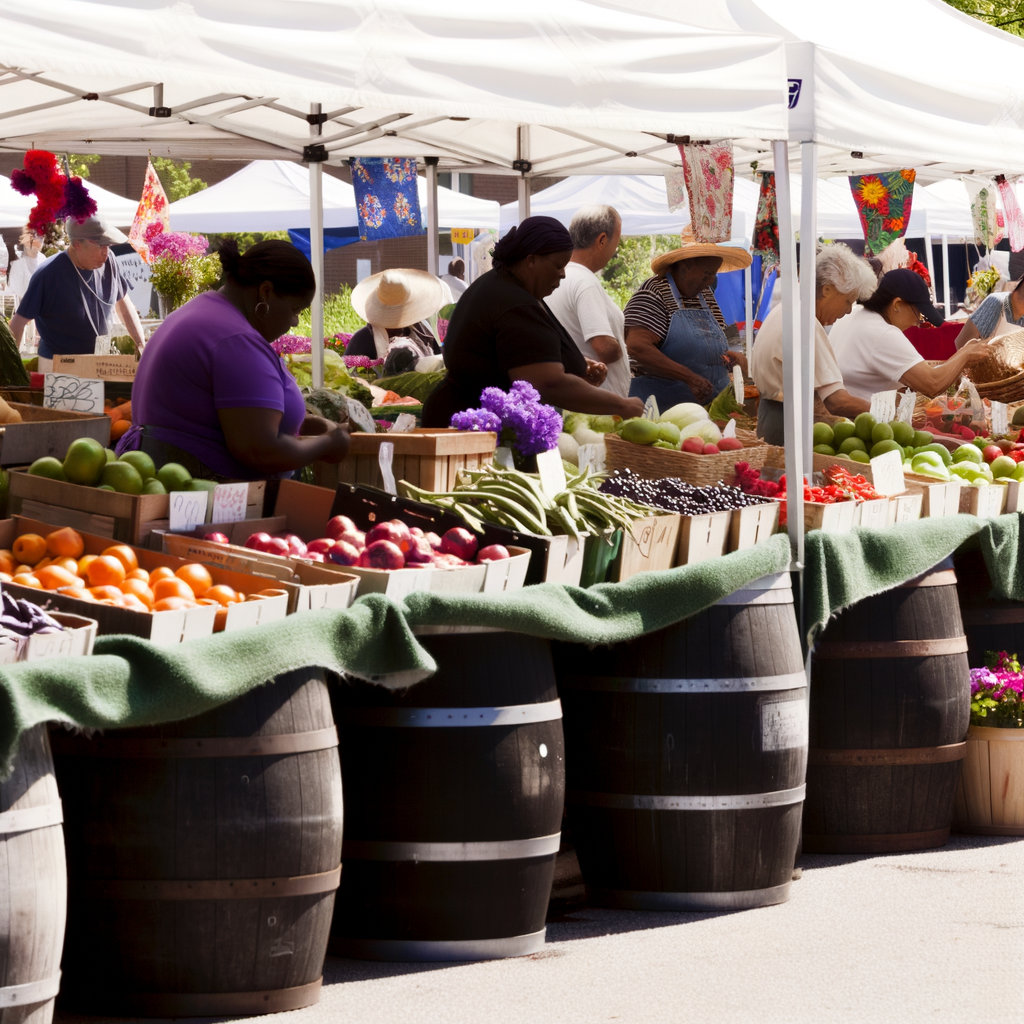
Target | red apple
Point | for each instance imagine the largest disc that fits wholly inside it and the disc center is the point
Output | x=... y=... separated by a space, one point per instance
x=416 y=531
x=693 y=445
x=711 y=449
x=320 y=546
x=447 y=561
x=434 y=541
x=394 y=531
x=312 y=556
x=419 y=550
x=339 y=525
x=276 y=546
x=217 y=538
x=343 y=554
x=382 y=554
x=459 y=542
x=296 y=545
x=257 y=541
x=493 y=553
x=730 y=444
x=356 y=538
x=991 y=452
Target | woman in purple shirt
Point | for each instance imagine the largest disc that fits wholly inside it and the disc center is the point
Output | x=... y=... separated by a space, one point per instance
x=212 y=394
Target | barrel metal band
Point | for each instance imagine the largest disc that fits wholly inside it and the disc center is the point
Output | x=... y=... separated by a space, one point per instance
x=906 y=755
x=772 y=596
x=500 y=849
x=448 y=718
x=834 y=649
x=632 y=684
x=725 y=802
x=205 y=889
x=31 y=992
x=26 y=819
x=992 y=616
x=437 y=950
x=895 y=842
x=199 y=746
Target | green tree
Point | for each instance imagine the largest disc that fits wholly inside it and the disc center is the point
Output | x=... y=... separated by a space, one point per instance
x=79 y=163
x=175 y=178
x=631 y=264
x=1005 y=14
x=245 y=238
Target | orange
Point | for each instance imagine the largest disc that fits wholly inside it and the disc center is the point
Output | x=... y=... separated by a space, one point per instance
x=66 y=563
x=44 y=562
x=119 y=428
x=105 y=570
x=53 y=576
x=84 y=562
x=29 y=548
x=140 y=590
x=172 y=588
x=7 y=562
x=222 y=594
x=80 y=592
x=197 y=577
x=138 y=574
x=65 y=542
x=106 y=593
x=132 y=603
x=26 y=579
x=161 y=572
x=21 y=570
x=124 y=555
x=172 y=604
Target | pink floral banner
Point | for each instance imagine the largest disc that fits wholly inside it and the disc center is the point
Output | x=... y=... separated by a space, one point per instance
x=1014 y=217
x=152 y=211
x=708 y=170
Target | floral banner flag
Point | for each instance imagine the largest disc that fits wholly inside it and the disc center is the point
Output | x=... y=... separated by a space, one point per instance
x=675 y=189
x=386 y=197
x=708 y=170
x=152 y=211
x=766 y=225
x=1014 y=217
x=986 y=216
x=883 y=202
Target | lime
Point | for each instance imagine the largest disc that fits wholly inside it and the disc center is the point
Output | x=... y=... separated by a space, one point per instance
x=852 y=444
x=860 y=456
x=142 y=462
x=123 y=477
x=968 y=453
x=824 y=449
x=881 y=432
x=823 y=434
x=84 y=462
x=841 y=431
x=1003 y=466
x=209 y=485
x=153 y=486
x=921 y=438
x=863 y=425
x=885 y=446
x=111 y=454
x=174 y=476
x=105 y=487
x=1018 y=473
x=902 y=433
x=48 y=466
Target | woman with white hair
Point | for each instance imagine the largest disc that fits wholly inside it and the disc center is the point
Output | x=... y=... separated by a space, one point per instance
x=841 y=278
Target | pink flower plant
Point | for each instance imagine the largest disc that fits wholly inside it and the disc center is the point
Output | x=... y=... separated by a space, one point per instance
x=997 y=692
x=177 y=245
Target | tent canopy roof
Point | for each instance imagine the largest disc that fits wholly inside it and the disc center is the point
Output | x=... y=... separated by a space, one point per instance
x=14 y=207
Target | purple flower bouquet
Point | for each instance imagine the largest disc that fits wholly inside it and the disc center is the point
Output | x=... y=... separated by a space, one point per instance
x=519 y=417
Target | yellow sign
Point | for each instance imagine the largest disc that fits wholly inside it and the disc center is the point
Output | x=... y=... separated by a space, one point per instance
x=463 y=236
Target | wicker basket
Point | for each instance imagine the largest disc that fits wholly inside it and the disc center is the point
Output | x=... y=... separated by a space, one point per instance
x=699 y=470
x=1004 y=361
x=1010 y=389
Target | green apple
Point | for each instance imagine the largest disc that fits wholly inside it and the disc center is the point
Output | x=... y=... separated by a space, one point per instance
x=1003 y=466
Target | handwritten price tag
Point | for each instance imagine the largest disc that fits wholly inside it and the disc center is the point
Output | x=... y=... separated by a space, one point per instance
x=229 y=501
x=552 y=472
x=905 y=413
x=887 y=473
x=385 y=458
x=1000 y=423
x=883 y=406
x=404 y=423
x=75 y=394
x=188 y=510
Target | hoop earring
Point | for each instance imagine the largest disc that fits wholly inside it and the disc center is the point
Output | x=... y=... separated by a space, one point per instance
x=265 y=311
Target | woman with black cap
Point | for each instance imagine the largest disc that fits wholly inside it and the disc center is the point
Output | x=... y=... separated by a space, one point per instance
x=501 y=331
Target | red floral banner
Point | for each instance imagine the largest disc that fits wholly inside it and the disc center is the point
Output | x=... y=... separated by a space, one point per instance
x=709 y=173
x=151 y=218
x=883 y=202
x=766 y=226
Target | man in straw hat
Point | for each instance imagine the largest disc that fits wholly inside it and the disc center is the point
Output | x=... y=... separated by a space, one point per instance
x=674 y=329
x=396 y=304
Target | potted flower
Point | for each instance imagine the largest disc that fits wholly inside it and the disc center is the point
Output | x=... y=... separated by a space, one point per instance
x=990 y=800
x=181 y=267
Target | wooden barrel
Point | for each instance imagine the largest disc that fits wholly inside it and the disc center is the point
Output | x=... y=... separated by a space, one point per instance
x=890 y=706
x=686 y=752
x=33 y=895
x=203 y=857
x=453 y=803
x=990 y=798
x=990 y=623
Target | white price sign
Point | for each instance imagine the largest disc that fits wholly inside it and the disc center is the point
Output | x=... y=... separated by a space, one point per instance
x=229 y=502
x=887 y=473
x=738 y=390
x=385 y=458
x=883 y=406
x=188 y=510
x=552 y=472
x=905 y=413
x=1000 y=420
x=74 y=394
x=405 y=423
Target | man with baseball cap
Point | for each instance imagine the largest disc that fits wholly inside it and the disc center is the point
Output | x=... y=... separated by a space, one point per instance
x=73 y=295
x=875 y=355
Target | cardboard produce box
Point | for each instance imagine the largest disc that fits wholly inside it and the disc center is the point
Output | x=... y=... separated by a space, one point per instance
x=44 y=432
x=97 y=367
x=753 y=524
x=77 y=639
x=703 y=537
x=125 y=518
x=163 y=628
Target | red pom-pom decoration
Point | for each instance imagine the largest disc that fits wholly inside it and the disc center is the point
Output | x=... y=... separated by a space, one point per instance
x=57 y=196
x=22 y=182
x=78 y=204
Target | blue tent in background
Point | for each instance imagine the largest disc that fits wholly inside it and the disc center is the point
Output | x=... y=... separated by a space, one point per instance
x=729 y=293
x=334 y=238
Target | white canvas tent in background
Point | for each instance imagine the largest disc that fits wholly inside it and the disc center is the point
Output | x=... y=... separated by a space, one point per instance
x=14 y=207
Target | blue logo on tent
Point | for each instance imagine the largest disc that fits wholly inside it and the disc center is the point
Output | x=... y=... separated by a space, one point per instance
x=795 y=85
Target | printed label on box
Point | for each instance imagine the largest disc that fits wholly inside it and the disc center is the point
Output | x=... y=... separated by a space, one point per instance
x=188 y=510
x=229 y=502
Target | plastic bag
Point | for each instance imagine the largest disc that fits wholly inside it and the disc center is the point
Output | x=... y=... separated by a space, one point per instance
x=961 y=414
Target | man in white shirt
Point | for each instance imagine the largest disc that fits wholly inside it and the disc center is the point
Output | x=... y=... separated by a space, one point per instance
x=580 y=303
x=454 y=277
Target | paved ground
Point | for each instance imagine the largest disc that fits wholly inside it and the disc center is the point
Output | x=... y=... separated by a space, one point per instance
x=933 y=936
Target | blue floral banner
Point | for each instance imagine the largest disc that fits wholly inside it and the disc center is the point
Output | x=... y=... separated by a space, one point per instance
x=386 y=197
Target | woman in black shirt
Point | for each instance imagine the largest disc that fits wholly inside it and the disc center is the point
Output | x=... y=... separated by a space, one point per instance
x=502 y=331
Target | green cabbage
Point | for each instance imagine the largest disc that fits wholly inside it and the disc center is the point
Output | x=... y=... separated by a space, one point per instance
x=684 y=414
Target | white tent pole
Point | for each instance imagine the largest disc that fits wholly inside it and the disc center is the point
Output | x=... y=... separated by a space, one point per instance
x=523 y=195
x=433 y=244
x=945 y=274
x=792 y=379
x=808 y=259
x=928 y=253
x=316 y=255
x=522 y=164
x=748 y=310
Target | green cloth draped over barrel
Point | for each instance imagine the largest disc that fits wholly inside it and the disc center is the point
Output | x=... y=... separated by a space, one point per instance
x=128 y=682
x=842 y=569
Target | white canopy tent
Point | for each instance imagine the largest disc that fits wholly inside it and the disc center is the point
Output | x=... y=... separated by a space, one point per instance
x=273 y=195
x=14 y=207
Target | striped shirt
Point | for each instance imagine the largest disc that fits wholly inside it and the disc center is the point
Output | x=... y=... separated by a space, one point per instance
x=653 y=304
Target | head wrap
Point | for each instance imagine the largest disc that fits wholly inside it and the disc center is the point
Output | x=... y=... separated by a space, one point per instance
x=535 y=236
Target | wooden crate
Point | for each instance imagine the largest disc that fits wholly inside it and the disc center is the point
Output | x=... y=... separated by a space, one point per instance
x=47 y=432
x=703 y=537
x=904 y=508
x=753 y=524
x=125 y=517
x=985 y=502
x=872 y=515
x=650 y=546
x=837 y=517
x=699 y=470
x=990 y=797
x=430 y=459
x=937 y=498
